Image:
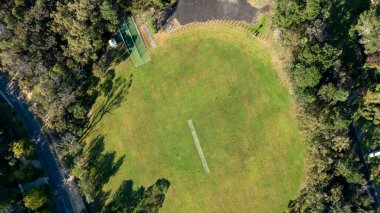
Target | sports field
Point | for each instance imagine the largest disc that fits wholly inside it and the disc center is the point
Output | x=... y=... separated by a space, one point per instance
x=223 y=80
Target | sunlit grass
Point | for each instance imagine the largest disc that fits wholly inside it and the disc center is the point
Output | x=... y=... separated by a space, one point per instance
x=224 y=81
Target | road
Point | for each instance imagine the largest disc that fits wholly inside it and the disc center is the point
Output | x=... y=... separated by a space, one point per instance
x=66 y=196
x=353 y=133
x=371 y=189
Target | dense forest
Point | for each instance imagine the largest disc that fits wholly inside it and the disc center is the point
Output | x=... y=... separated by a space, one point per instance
x=335 y=49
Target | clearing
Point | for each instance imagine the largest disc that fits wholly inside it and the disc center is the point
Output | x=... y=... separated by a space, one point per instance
x=223 y=80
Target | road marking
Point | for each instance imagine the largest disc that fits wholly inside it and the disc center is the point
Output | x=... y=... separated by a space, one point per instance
x=198 y=145
x=6 y=99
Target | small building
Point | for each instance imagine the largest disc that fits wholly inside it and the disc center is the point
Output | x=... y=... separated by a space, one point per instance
x=374 y=154
x=112 y=42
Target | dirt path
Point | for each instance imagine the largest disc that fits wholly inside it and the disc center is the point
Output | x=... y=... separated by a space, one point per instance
x=203 y=10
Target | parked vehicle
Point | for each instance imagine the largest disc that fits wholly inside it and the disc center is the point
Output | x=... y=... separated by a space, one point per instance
x=374 y=154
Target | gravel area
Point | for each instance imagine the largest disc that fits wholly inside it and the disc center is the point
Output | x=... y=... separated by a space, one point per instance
x=203 y=10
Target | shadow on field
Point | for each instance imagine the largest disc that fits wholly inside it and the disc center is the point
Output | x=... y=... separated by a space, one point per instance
x=101 y=166
x=95 y=169
x=112 y=56
x=115 y=92
x=126 y=199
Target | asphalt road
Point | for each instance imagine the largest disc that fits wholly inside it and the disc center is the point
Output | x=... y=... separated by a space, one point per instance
x=354 y=135
x=66 y=196
x=371 y=189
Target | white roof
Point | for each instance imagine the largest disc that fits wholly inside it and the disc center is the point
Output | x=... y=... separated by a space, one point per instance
x=112 y=42
x=374 y=154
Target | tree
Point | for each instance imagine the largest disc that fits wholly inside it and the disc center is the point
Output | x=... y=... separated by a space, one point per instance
x=289 y=13
x=374 y=59
x=332 y=94
x=369 y=28
x=305 y=94
x=370 y=108
x=315 y=31
x=21 y=148
x=109 y=12
x=35 y=198
x=319 y=56
x=12 y=206
x=79 y=23
x=69 y=145
x=137 y=6
x=154 y=197
x=140 y=200
x=24 y=173
x=336 y=118
x=313 y=9
x=306 y=76
x=85 y=181
x=78 y=111
x=352 y=174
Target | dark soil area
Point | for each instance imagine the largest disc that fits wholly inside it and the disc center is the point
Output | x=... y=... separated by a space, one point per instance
x=188 y=11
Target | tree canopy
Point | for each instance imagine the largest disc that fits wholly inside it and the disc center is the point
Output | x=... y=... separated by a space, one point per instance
x=35 y=198
x=369 y=28
x=334 y=90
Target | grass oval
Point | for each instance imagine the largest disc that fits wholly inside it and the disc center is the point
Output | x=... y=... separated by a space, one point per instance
x=223 y=80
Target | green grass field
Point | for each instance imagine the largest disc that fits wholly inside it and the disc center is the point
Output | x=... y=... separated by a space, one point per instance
x=224 y=81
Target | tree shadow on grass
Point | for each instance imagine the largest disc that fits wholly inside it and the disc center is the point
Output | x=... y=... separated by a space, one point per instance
x=115 y=92
x=103 y=165
x=126 y=199
x=95 y=168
